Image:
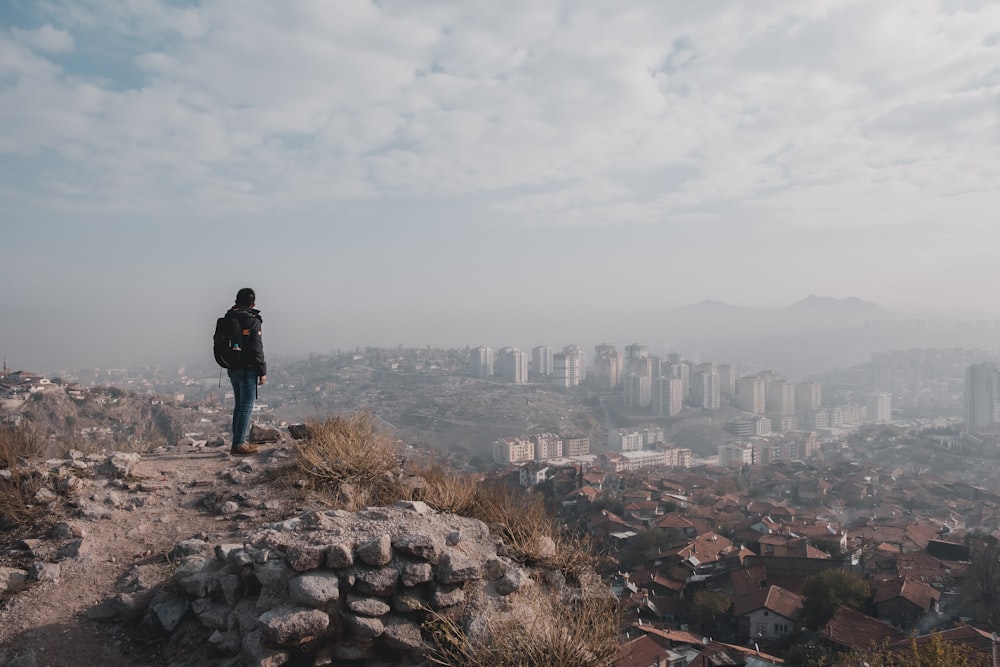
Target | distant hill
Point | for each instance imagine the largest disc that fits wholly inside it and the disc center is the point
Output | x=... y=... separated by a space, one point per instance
x=851 y=304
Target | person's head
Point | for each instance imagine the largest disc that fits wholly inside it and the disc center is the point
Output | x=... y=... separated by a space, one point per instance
x=246 y=297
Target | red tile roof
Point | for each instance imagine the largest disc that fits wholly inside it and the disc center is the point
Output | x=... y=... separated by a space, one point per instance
x=775 y=598
x=852 y=629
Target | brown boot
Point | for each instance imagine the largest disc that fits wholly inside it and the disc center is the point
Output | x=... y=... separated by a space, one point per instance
x=244 y=449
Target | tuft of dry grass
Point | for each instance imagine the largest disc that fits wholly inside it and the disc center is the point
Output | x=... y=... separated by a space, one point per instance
x=446 y=491
x=349 y=455
x=360 y=466
x=528 y=530
x=17 y=485
x=546 y=632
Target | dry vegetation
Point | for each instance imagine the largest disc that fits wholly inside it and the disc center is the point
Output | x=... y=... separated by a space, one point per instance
x=545 y=632
x=17 y=485
x=349 y=461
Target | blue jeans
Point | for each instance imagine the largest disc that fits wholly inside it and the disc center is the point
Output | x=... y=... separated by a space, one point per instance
x=244 y=391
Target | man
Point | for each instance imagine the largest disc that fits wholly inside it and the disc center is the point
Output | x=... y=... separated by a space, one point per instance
x=249 y=372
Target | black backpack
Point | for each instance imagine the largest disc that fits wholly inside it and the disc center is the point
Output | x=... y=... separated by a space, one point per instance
x=228 y=341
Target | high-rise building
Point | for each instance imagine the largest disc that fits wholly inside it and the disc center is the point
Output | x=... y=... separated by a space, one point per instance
x=541 y=360
x=981 y=399
x=481 y=362
x=667 y=396
x=751 y=394
x=727 y=379
x=781 y=397
x=879 y=407
x=681 y=369
x=607 y=367
x=513 y=365
x=705 y=388
x=808 y=396
x=567 y=368
x=638 y=390
x=635 y=351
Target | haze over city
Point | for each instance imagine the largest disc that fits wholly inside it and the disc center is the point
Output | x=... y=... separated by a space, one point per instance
x=440 y=173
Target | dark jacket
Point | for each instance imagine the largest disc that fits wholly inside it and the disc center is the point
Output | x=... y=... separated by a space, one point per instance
x=250 y=322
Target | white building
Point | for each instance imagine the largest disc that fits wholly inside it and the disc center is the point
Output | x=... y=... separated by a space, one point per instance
x=481 y=362
x=879 y=407
x=547 y=446
x=751 y=394
x=667 y=396
x=541 y=360
x=808 y=396
x=625 y=440
x=567 y=370
x=513 y=365
x=781 y=397
x=981 y=398
x=735 y=454
x=638 y=390
x=607 y=367
x=513 y=450
x=706 y=389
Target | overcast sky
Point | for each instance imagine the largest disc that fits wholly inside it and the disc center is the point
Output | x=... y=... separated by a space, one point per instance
x=498 y=173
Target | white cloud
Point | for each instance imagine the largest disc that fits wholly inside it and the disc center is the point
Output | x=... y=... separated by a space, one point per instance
x=45 y=38
x=804 y=108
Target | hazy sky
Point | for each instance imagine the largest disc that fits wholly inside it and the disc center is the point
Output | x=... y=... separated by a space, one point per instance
x=451 y=173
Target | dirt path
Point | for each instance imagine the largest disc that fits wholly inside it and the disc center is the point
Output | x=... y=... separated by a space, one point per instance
x=127 y=533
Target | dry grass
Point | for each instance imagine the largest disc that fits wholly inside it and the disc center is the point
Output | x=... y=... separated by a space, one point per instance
x=446 y=491
x=348 y=455
x=17 y=485
x=545 y=632
x=348 y=459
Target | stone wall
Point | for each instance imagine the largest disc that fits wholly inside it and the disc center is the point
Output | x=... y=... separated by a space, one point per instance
x=342 y=588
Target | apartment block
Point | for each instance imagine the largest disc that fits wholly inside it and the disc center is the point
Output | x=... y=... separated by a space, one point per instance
x=541 y=360
x=513 y=450
x=481 y=362
x=667 y=396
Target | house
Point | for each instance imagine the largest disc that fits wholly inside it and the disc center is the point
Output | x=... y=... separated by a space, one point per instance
x=903 y=601
x=533 y=473
x=848 y=629
x=782 y=545
x=644 y=652
x=768 y=615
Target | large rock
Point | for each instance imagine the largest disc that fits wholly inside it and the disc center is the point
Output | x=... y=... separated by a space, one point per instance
x=263 y=434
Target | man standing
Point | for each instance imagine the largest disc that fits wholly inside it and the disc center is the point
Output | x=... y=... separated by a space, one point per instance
x=250 y=371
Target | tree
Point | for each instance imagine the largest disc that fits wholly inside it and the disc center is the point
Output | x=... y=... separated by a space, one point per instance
x=827 y=591
x=982 y=582
x=707 y=607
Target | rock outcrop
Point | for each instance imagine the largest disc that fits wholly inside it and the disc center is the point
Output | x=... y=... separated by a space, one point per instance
x=336 y=587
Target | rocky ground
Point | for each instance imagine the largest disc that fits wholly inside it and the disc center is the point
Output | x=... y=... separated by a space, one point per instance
x=106 y=542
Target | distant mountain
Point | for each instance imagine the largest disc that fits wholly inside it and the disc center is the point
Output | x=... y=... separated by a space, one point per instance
x=829 y=304
x=709 y=306
x=811 y=303
x=715 y=320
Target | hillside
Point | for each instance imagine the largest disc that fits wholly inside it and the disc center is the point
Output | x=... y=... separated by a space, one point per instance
x=184 y=556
